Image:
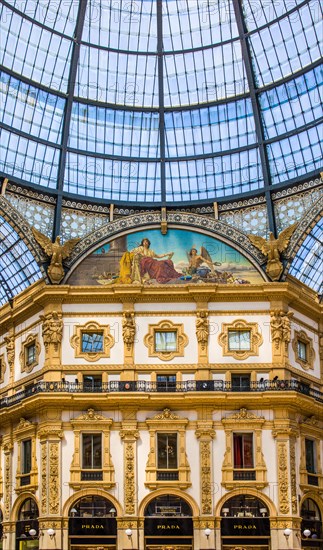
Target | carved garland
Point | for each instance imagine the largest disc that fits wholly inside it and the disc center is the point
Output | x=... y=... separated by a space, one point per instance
x=283 y=478
x=292 y=455
x=205 y=435
x=129 y=436
x=2 y=368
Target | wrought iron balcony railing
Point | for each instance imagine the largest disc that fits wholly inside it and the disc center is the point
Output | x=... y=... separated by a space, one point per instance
x=142 y=386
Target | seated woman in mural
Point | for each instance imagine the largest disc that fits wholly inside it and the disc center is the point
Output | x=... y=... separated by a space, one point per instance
x=146 y=266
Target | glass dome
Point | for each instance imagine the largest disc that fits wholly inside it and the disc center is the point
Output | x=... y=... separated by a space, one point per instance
x=160 y=102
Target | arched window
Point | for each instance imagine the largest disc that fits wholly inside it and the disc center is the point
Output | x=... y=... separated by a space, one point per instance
x=311 y=524
x=244 y=506
x=168 y=505
x=28 y=510
x=92 y=506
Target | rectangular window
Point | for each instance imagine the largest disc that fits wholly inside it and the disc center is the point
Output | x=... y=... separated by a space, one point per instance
x=302 y=350
x=26 y=456
x=240 y=382
x=92 y=342
x=92 y=451
x=165 y=341
x=310 y=456
x=92 y=382
x=239 y=340
x=166 y=382
x=167 y=451
x=243 y=450
x=30 y=354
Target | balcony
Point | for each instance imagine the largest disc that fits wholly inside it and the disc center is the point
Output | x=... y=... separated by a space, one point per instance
x=89 y=475
x=143 y=386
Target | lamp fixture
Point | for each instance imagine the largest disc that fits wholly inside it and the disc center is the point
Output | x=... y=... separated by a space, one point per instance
x=51 y=532
x=73 y=512
x=307 y=533
x=287 y=533
x=207 y=532
x=128 y=533
x=112 y=511
x=33 y=533
x=225 y=511
x=263 y=511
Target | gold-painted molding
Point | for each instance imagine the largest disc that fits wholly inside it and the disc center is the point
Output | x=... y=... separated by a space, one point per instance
x=92 y=326
x=26 y=430
x=166 y=326
x=165 y=422
x=30 y=340
x=92 y=422
x=3 y=368
x=205 y=433
x=129 y=434
x=256 y=339
x=244 y=421
x=301 y=336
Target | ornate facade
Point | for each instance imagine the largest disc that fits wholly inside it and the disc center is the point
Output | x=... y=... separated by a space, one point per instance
x=176 y=416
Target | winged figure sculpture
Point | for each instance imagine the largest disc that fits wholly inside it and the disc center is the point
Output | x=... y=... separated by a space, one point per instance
x=272 y=248
x=57 y=252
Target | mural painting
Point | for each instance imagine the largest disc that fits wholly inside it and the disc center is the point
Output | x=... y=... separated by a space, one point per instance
x=179 y=257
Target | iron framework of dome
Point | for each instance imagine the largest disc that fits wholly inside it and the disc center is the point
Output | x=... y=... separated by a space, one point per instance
x=158 y=103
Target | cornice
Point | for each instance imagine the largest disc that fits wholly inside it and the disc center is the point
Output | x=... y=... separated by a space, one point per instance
x=33 y=299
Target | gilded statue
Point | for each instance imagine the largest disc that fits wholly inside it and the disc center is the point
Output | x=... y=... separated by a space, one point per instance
x=202 y=327
x=10 y=348
x=128 y=328
x=52 y=329
x=272 y=249
x=280 y=324
x=57 y=252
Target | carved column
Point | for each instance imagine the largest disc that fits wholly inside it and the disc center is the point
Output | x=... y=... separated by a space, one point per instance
x=52 y=332
x=50 y=440
x=129 y=434
x=285 y=437
x=8 y=484
x=205 y=434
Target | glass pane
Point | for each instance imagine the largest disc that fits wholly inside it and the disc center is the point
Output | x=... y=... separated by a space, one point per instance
x=165 y=341
x=301 y=350
x=239 y=340
x=30 y=354
x=92 y=342
x=310 y=456
x=26 y=456
x=167 y=451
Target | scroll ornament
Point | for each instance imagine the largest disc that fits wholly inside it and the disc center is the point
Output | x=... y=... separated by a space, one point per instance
x=272 y=250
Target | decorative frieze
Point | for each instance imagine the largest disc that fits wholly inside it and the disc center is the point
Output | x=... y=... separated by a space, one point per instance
x=129 y=434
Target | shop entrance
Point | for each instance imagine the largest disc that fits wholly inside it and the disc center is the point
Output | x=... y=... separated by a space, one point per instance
x=92 y=524
x=245 y=524
x=27 y=528
x=168 y=524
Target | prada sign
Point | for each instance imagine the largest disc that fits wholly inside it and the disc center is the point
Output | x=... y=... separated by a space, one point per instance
x=100 y=527
x=168 y=527
x=245 y=527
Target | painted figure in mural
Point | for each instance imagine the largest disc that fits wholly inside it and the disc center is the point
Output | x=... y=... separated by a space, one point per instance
x=146 y=266
x=196 y=260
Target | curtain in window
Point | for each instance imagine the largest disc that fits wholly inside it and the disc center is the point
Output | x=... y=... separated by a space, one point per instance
x=165 y=341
